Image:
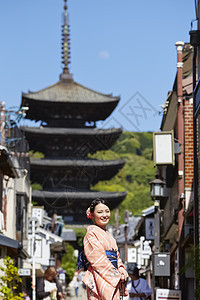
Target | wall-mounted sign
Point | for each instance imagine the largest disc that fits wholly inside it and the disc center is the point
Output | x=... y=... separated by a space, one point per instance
x=163 y=148
x=38 y=212
x=162 y=264
x=149 y=228
x=24 y=272
x=132 y=255
x=168 y=294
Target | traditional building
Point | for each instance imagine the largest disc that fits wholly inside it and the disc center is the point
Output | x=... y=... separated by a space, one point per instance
x=177 y=230
x=68 y=113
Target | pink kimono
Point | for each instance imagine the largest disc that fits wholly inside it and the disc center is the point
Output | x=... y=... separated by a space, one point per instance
x=101 y=278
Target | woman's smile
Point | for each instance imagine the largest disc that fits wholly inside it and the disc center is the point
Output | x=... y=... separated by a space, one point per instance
x=101 y=215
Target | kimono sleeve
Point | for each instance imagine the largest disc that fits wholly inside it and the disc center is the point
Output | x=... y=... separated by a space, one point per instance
x=98 y=260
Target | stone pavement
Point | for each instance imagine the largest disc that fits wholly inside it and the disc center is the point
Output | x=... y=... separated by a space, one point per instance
x=71 y=294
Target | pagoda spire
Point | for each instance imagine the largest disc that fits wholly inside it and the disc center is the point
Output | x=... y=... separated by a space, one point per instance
x=65 y=46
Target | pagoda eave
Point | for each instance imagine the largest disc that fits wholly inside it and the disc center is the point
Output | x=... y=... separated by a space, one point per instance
x=80 y=142
x=42 y=131
x=77 y=172
x=90 y=111
x=72 y=200
x=75 y=163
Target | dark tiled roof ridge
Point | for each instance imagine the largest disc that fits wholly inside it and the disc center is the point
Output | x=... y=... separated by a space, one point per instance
x=62 y=82
x=62 y=130
x=77 y=162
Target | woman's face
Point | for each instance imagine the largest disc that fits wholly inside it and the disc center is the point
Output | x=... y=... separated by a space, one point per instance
x=101 y=215
x=51 y=277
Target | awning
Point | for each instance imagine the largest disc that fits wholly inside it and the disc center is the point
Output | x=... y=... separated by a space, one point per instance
x=8 y=163
x=172 y=232
x=58 y=247
x=8 y=242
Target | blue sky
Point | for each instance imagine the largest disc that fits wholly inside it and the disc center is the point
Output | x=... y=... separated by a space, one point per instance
x=122 y=47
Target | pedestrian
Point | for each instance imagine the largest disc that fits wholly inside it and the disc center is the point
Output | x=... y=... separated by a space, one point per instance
x=137 y=287
x=48 y=287
x=76 y=283
x=25 y=296
x=106 y=273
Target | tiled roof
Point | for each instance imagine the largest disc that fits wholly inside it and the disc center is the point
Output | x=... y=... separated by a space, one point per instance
x=71 y=131
x=74 y=198
x=69 y=91
x=64 y=163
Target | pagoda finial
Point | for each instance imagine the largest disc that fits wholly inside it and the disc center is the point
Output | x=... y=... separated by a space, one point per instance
x=65 y=46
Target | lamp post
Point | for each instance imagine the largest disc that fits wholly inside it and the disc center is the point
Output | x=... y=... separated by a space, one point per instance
x=157 y=194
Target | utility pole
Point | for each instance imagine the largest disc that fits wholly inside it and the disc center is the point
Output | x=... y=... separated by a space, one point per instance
x=33 y=224
x=180 y=125
x=157 y=226
x=33 y=260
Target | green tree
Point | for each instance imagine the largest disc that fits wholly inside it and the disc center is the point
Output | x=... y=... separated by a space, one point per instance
x=69 y=262
x=10 y=280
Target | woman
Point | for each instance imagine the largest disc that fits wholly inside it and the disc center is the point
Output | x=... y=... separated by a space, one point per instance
x=104 y=277
x=48 y=287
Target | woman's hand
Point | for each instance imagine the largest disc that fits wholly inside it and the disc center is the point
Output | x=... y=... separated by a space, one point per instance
x=60 y=296
x=123 y=278
x=54 y=290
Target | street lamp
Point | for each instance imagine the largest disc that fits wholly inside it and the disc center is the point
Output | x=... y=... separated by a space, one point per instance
x=157 y=189
x=157 y=193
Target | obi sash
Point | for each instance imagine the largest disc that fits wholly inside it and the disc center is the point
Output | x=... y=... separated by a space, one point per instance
x=112 y=256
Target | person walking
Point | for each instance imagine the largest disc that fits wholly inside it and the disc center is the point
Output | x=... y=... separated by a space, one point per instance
x=106 y=274
x=137 y=287
x=76 y=282
x=25 y=296
x=48 y=287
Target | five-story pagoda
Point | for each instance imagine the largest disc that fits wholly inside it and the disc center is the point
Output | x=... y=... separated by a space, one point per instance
x=68 y=113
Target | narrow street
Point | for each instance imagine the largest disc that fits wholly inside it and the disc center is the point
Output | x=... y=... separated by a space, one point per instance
x=71 y=293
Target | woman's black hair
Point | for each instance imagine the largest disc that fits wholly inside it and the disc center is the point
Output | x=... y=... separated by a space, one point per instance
x=96 y=201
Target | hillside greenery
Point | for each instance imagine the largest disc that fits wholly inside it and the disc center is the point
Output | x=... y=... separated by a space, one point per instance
x=136 y=148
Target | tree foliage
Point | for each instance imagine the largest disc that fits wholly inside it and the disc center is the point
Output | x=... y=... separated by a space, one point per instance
x=10 y=280
x=136 y=149
x=69 y=262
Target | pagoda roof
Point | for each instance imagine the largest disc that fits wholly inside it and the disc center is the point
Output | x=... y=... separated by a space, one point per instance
x=70 y=131
x=63 y=163
x=80 y=141
x=72 y=199
x=68 y=91
x=78 y=172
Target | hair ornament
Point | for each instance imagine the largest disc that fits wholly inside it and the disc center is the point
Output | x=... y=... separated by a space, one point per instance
x=89 y=214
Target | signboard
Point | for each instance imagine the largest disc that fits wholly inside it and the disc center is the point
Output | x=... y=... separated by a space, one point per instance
x=146 y=251
x=38 y=248
x=163 y=148
x=132 y=255
x=38 y=212
x=149 y=228
x=162 y=264
x=24 y=272
x=168 y=294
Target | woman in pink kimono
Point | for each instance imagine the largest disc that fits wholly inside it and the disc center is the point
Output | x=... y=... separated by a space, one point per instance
x=106 y=274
